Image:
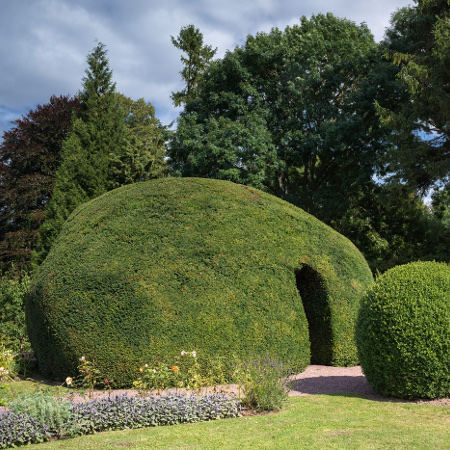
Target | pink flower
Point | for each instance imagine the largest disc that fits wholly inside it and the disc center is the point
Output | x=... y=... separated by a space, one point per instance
x=194 y=354
x=183 y=352
x=82 y=359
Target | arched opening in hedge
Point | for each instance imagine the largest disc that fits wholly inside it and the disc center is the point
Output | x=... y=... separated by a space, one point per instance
x=314 y=297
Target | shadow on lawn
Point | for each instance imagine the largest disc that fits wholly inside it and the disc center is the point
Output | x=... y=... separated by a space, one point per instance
x=345 y=386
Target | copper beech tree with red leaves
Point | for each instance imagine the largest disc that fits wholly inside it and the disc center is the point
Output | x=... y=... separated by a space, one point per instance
x=29 y=157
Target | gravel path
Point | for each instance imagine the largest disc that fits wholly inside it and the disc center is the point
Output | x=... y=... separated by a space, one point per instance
x=343 y=380
x=330 y=380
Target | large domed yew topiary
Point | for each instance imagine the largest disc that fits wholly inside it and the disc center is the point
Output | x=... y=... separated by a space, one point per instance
x=403 y=331
x=149 y=269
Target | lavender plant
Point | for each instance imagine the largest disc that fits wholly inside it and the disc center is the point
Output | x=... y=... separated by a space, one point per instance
x=39 y=417
x=264 y=383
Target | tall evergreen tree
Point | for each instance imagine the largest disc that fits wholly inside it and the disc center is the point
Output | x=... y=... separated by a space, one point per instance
x=30 y=155
x=197 y=59
x=99 y=136
x=391 y=224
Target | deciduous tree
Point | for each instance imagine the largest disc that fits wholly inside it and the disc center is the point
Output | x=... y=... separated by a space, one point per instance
x=418 y=41
x=29 y=157
x=297 y=113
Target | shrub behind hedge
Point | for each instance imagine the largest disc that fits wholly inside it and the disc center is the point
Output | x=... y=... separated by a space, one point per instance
x=13 y=333
x=403 y=331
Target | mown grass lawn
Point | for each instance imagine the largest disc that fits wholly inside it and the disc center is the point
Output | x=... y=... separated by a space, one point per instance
x=319 y=421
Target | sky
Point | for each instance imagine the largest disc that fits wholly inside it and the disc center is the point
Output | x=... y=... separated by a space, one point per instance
x=44 y=43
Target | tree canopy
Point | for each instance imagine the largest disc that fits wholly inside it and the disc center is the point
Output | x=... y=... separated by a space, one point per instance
x=305 y=97
x=297 y=113
x=319 y=114
x=145 y=152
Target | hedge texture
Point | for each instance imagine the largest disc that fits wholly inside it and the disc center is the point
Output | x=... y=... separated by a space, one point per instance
x=149 y=269
x=403 y=331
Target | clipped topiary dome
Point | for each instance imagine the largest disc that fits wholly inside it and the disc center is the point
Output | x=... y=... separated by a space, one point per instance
x=403 y=331
x=149 y=269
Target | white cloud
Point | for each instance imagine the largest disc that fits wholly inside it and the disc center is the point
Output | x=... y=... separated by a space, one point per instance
x=44 y=43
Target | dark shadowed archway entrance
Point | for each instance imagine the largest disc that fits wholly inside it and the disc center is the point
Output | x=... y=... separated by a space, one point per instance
x=317 y=309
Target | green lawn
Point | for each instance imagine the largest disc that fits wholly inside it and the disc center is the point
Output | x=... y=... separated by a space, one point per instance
x=322 y=421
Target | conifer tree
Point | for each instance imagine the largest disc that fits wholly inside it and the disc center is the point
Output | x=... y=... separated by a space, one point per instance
x=197 y=59
x=99 y=136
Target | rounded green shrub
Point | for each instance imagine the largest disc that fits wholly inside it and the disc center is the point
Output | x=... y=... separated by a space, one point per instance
x=150 y=269
x=403 y=331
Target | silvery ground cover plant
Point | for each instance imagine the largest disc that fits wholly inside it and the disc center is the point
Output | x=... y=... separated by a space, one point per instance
x=115 y=413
